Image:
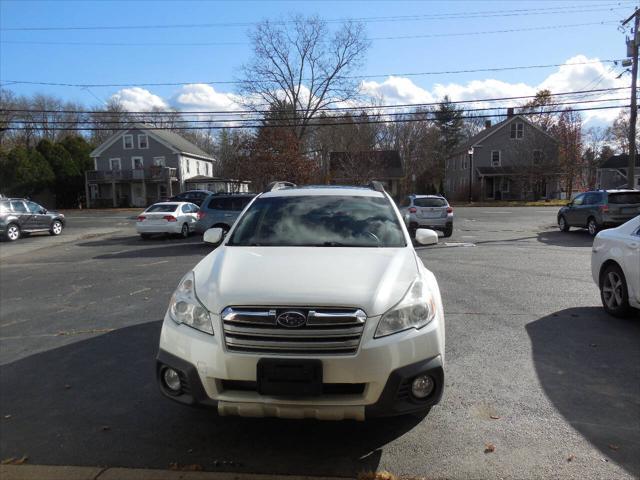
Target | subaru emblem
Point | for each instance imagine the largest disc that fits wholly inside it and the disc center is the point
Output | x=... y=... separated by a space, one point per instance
x=291 y=319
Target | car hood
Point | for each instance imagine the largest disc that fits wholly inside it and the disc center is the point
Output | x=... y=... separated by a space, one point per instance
x=373 y=279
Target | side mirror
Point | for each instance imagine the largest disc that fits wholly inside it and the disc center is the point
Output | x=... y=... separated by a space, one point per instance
x=424 y=236
x=570 y=204
x=213 y=235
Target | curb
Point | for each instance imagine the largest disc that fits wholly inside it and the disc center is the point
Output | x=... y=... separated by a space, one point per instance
x=51 y=472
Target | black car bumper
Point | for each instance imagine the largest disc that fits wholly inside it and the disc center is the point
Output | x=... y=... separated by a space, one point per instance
x=396 y=397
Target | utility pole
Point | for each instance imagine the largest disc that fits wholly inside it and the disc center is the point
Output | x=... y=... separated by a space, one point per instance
x=633 y=115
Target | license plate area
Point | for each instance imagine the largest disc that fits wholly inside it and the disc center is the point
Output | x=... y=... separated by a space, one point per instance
x=289 y=377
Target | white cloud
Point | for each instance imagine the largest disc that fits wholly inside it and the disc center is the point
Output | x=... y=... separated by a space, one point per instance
x=569 y=77
x=572 y=76
x=200 y=96
x=136 y=99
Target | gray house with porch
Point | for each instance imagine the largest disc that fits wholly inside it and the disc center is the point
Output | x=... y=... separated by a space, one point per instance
x=142 y=165
x=511 y=160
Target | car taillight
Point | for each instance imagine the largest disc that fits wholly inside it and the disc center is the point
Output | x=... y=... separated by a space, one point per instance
x=141 y=218
x=413 y=210
x=201 y=215
x=449 y=209
x=170 y=218
x=604 y=208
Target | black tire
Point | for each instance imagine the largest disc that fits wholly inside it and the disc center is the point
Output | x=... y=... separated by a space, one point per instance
x=562 y=224
x=592 y=226
x=12 y=232
x=184 y=233
x=145 y=236
x=614 y=293
x=56 y=228
x=448 y=231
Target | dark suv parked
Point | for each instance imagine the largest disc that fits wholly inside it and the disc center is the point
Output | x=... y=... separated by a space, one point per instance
x=600 y=209
x=192 y=196
x=221 y=211
x=18 y=216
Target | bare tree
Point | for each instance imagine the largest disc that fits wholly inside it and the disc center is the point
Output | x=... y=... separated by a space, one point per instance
x=302 y=64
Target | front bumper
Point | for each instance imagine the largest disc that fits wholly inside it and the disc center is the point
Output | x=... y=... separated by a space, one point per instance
x=395 y=399
x=383 y=368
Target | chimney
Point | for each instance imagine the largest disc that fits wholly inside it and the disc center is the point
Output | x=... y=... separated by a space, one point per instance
x=509 y=112
x=487 y=124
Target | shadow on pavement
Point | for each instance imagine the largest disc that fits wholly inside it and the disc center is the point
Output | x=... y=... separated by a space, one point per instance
x=589 y=366
x=137 y=241
x=95 y=402
x=572 y=238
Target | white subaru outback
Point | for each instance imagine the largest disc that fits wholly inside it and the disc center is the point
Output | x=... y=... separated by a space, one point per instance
x=315 y=305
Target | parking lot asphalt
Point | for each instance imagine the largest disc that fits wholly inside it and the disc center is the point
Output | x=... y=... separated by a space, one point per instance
x=538 y=376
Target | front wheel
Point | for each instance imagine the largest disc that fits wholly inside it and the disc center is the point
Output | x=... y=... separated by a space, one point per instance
x=562 y=224
x=614 y=293
x=184 y=233
x=13 y=232
x=56 y=228
x=592 y=226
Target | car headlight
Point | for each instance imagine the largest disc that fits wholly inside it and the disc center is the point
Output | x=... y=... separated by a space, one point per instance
x=186 y=308
x=416 y=309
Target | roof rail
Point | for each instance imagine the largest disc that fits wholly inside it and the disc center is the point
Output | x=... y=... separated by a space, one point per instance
x=278 y=185
x=377 y=186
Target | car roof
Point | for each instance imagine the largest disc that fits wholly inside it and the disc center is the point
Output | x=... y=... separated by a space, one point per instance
x=323 y=190
x=427 y=196
x=172 y=203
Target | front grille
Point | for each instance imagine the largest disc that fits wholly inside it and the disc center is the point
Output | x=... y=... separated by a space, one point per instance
x=325 y=331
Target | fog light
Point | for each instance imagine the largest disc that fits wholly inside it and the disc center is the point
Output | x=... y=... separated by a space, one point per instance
x=422 y=386
x=171 y=379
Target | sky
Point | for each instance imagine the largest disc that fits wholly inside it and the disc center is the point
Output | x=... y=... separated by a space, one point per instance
x=208 y=41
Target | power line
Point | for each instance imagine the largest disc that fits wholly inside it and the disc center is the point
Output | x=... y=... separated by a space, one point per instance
x=233 y=82
x=311 y=125
x=569 y=9
x=227 y=44
x=326 y=109
x=294 y=119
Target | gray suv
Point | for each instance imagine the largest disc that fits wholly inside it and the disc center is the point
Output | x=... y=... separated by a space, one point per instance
x=599 y=209
x=19 y=216
x=427 y=211
x=221 y=211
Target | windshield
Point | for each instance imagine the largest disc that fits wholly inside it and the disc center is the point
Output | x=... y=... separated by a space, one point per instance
x=624 y=198
x=329 y=221
x=163 y=208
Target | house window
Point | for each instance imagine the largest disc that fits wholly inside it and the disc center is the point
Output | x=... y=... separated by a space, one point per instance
x=159 y=162
x=114 y=164
x=495 y=158
x=143 y=141
x=137 y=163
x=538 y=156
x=127 y=142
x=517 y=130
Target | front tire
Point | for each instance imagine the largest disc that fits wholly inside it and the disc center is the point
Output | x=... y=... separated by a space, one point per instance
x=56 y=228
x=562 y=224
x=13 y=232
x=592 y=227
x=614 y=293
